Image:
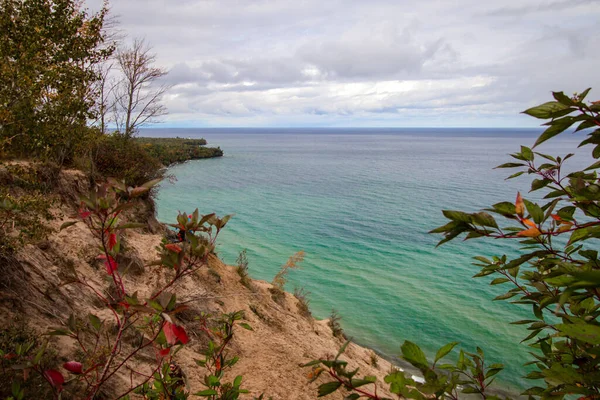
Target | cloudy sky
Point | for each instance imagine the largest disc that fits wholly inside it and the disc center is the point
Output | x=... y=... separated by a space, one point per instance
x=365 y=62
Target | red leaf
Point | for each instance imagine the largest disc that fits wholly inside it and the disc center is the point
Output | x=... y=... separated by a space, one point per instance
x=84 y=214
x=112 y=241
x=73 y=367
x=181 y=334
x=164 y=352
x=111 y=265
x=55 y=378
x=174 y=333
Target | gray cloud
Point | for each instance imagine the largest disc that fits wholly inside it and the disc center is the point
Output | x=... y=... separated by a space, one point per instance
x=390 y=62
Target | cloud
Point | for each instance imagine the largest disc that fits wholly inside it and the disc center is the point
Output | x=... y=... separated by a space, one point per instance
x=391 y=62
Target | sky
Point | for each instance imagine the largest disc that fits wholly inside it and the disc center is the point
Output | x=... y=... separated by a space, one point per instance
x=365 y=63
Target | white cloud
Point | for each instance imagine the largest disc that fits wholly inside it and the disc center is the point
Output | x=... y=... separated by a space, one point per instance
x=377 y=62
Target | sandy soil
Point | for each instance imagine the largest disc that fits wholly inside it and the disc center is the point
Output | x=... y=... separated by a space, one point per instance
x=270 y=355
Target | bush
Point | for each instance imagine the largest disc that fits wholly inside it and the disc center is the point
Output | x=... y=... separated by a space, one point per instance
x=303 y=302
x=119 y=157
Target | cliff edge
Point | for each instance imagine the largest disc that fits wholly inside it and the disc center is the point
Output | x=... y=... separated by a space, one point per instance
x=35 y=293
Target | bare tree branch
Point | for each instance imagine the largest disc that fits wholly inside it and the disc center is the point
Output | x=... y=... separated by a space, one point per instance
x=138 y=97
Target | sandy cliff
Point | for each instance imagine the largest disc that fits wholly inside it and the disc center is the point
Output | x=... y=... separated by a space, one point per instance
x=282 y=338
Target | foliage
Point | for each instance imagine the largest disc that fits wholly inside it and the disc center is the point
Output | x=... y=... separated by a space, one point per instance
x=48 y=50
x=374 y=359
x=137 y=327
x=176 y=150
x=117 y=157
x=334 y=323
x=293 y=262
x=217 y=361
x=303 y=301
x=18 y=342
x=469 y=375
x=557 y=274
x=24 y=205
x=280 y=279
x=242 y=269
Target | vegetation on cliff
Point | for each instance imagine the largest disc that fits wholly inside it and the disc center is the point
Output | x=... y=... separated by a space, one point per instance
x=557 y=275
x=176 y=150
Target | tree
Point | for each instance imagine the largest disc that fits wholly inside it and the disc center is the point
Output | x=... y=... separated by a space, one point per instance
x=557 y=275
x=138 y=97
x=48 y=51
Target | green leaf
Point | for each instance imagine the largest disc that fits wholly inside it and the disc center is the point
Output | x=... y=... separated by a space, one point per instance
x=545 y=111
x=237 y=381
x=558 y=126
x=535 y=211
x=563 y=99
x=511 y=165
x=527 y=153
x=505 y=296
x=485 y=219
x=515 y=175
x=498 y=281
x=505 y=208
x=578 y=235
x=206 y=393
x=539 y=183
x=67 y=224
x=444 y=350
x=342 y=350
x=246 y=326
x=457 y=216
x=414 y=355
x=328 y=388
x=585 y=332
x=361 y=382
x=352 y=396
x=95 y=322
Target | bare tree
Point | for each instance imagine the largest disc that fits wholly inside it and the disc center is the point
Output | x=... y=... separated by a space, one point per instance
x=139 y=93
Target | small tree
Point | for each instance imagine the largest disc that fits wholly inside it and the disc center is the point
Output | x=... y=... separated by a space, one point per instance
x=48 y=53
x=138 y=94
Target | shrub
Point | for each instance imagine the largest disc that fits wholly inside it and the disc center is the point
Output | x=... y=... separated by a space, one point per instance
x=122 y=158
x=242 y=269
x=303 y=301
x=107 y=347
x=334 y=323
x=280 y=279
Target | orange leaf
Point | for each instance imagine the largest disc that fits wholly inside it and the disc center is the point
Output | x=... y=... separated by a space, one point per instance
x=565 y=228
x=173 y=247
x=529 y=223
x=519 y=205
x=531 y=232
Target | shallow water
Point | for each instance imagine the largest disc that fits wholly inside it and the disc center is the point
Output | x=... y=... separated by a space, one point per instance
x=360 y=203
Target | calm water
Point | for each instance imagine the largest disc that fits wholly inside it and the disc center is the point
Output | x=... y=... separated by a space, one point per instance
x=360 y=204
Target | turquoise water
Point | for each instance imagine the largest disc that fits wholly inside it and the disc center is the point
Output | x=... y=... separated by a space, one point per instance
x=360 y=204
